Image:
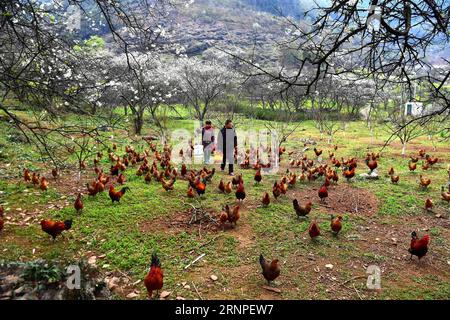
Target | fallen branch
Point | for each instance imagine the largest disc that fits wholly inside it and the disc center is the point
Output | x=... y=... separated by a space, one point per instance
x=360 y=298
x=197 y=291
x=195 y=260
x=351 y=279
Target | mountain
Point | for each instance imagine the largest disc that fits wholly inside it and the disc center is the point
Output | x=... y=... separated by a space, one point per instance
x=235 y=25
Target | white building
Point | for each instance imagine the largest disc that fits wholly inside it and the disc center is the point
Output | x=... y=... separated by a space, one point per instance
x=413 y=108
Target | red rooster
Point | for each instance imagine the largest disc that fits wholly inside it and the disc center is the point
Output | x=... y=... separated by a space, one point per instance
x=117 y=195
x=78 y=205
x=323 y=193
x=154 y=279
x=314 y=230
x=55 y=228
x=418 y=247
x=336 y=224
x=240 y=192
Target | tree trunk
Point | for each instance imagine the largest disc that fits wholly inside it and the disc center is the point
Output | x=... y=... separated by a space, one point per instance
x=404 y=149
x=138 y=123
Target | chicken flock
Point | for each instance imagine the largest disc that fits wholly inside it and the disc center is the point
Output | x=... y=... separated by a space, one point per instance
x=163 y=171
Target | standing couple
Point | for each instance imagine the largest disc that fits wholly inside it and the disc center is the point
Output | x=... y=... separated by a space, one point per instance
x=226 y=144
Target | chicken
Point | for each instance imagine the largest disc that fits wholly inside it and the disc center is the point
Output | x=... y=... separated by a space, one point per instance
x=190 y=193
x=258 y=176
x=221 y=186
x=43 y=184
x=424 y=182
x=412 y=166
x=414 y=159
x=223 y=216
x=323 y=193
x=418 y=247
x=428 y=204
x=200 y=187
x=240 y=192
x=395 y=179
x=445 y=195
x=228 y=187
x=121 y=178
x=148 y=178
x=349 y=173
x=266 y=199
x=168 y=185
x=233 y=216
x=92 y=190
x=78 y=205
x=55 y=173
x=283 y=187
x=314 y=230
x=372 y=164
x=99 y=186
x=318 y=152
x=2 y=221
x=292 y=180
x=336 y=224
x=302 y=210
x=183 y=170
x=117 y=195
x=55 y=228
x=236 y=180
x=276 y=191
x=154 y=278
x=35 y=179
x=430 y=160
x=270 y=271
x=26 y=175
x=391 y=171
x=421 y=153
x=209 y=175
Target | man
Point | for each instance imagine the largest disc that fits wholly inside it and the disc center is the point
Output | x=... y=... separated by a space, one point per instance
x=227 y=144
x=207 y=141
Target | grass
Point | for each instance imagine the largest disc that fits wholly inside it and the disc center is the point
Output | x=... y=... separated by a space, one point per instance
x=128 y=232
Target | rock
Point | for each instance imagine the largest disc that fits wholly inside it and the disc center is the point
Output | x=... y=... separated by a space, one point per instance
x=187 y=287
x=112 y=283
x=132 y=295
x=329 y=266
x=183 y=283
x=10 y=279
x=214 y=277
x=92 y=260
x=165 y=294
x=136 y=282
x=272 y=289
x=438 y=215
x=19 y=291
